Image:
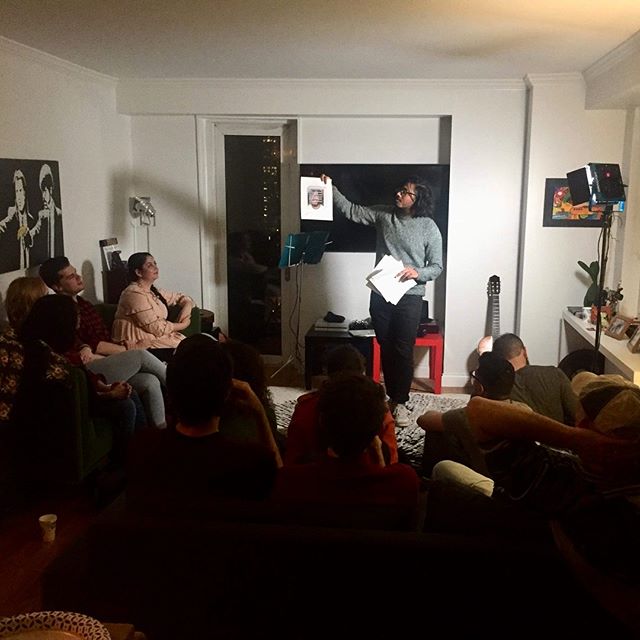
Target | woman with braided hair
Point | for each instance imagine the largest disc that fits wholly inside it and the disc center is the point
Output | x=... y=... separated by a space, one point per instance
x=141 y=320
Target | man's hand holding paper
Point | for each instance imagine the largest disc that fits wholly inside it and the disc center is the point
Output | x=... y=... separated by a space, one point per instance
x=391 y=279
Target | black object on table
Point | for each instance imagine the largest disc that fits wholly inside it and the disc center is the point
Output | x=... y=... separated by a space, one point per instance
x=318 y=343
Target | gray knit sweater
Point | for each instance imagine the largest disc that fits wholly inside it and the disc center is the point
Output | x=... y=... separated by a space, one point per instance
x=416 y=242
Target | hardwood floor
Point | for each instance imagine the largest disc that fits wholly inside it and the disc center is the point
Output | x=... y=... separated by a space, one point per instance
x=23 y=554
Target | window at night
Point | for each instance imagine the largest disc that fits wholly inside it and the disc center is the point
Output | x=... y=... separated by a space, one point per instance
x=252 y=167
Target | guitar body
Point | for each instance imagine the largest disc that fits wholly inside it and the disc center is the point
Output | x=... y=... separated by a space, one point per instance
x=493 y=292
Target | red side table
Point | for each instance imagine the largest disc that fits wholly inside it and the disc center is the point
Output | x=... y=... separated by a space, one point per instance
x=435 y=343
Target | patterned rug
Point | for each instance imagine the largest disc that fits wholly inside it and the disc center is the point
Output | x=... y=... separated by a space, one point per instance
x=410 y=439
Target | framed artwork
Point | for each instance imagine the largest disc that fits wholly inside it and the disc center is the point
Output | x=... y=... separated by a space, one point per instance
x=559 y=210
x=618 y=327
x=634 y=344
x=30 y=213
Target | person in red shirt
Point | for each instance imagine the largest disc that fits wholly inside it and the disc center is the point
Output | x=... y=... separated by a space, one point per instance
x=346 y=487
x=302 y=435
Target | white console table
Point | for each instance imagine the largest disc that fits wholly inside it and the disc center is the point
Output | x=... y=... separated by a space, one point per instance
x=614 y=351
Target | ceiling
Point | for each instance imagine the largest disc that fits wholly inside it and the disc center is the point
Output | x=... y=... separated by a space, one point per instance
x=323 y=39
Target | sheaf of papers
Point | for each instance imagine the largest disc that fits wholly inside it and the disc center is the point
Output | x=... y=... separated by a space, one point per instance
x=316 y=199
x=383 y=280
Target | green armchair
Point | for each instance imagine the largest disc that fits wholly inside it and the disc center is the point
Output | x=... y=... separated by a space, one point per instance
x=92 y=438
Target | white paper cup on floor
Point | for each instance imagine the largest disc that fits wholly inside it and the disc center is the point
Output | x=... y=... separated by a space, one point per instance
x=48 y=526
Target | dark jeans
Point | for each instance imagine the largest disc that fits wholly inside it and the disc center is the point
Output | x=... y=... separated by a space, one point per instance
x=127 y=417
x=396 y=327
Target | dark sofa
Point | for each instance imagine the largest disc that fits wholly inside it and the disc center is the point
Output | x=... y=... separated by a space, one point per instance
x=248 y=576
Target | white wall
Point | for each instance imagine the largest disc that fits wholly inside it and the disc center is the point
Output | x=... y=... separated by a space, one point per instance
x=562 y=136
x=164 y=168
x=487 y=146
x=628 y=255
x=55 y=110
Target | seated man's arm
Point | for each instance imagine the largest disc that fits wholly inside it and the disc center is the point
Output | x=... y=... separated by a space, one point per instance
x=431 y=421
x=109 y=348
x=490 y=420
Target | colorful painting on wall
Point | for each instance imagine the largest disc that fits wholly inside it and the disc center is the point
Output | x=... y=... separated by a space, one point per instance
x=559 y=210
x=30 y=213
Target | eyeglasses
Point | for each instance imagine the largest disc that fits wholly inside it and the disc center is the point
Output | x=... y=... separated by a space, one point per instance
x=405 y=192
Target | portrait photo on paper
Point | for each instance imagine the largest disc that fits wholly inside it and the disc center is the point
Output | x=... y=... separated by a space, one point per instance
x=316 y=199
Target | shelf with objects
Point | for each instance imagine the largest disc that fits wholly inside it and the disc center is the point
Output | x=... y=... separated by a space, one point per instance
x=577 y=331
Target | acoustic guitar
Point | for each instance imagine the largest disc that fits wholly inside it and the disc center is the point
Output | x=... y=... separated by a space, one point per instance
x=493 y=315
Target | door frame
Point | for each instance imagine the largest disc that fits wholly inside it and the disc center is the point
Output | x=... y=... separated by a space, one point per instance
x=210 y=133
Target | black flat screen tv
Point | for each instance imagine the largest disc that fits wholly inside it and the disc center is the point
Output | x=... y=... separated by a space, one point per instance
x=372 y=184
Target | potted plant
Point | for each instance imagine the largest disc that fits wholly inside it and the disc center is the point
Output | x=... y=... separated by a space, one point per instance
x=593 y=271
x=610 y=297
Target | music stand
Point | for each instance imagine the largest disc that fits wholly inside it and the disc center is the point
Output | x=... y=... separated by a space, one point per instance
x=300 y=249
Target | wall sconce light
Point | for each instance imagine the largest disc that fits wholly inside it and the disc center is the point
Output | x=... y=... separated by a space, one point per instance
x=140 y=207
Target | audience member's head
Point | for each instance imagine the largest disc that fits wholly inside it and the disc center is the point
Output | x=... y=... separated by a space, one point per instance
x=351 y=409
x=21 y=295
x=135 y=264
x=198 y=380
x=248 y=366
x=510 y=347
x=609 y=404
x=345 y=359
x=50 y=270
x=52 y=319
x=495 y=376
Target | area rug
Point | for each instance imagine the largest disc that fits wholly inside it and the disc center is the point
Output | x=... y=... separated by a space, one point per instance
x=410 y=439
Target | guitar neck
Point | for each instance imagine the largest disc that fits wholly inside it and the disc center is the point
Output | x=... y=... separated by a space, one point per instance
x=495 y=316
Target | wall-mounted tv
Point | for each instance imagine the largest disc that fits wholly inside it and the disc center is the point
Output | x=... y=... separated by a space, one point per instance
x=372 y=184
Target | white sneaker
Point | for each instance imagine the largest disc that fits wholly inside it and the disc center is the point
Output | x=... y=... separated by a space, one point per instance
x=402 y=416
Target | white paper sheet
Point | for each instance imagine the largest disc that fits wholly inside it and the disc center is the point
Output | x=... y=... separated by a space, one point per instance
x=384 y=281
x=316 y=199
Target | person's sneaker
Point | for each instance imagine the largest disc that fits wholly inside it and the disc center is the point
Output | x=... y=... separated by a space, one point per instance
x=402 y=416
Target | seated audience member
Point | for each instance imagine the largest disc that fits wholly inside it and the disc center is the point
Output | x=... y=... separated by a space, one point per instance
x=303 y=441
x=528 y=457
x=248 y=366
x=51 y=324
x=94 y=349
x=193 y=460
x=545 y=389
x=21 y=296
x=448 y=435
x=141 y=321
x=599 y=538
x=347 y=488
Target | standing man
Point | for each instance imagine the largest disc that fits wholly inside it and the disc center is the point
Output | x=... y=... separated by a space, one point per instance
x=408 y=233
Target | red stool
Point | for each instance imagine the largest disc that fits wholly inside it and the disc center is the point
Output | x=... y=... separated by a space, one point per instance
x=435 y=343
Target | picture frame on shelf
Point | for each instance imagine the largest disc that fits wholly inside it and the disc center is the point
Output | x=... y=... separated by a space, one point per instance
x=634 y=343
x=618 y=327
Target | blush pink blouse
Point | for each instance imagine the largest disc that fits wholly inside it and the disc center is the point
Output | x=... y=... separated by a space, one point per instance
x=142 y=317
